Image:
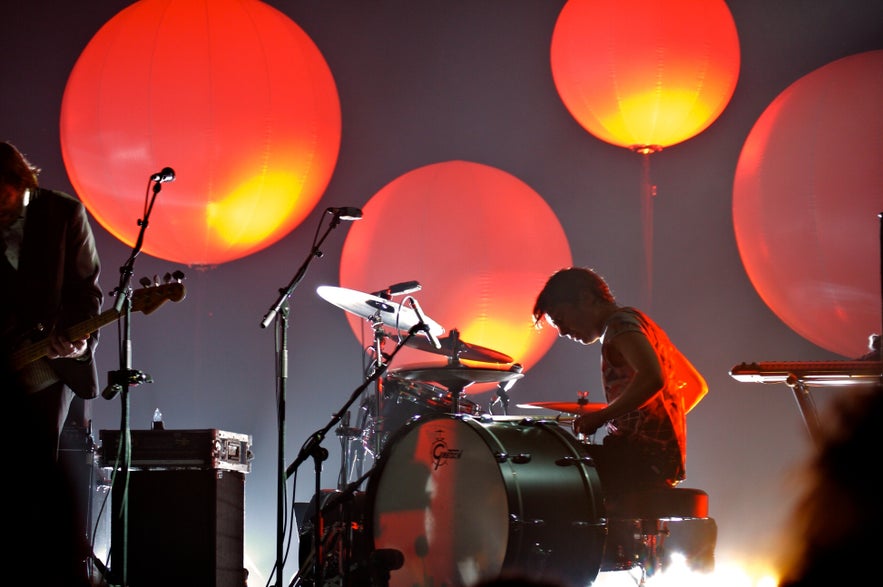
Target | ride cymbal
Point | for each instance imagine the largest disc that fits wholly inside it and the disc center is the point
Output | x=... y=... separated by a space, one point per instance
x=453 y=347
x=566 y=407
x=374 y=308
x=456 y=376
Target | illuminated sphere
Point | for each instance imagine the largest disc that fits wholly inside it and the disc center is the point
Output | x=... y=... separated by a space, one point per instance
x=481 y=243
x=645 y=73
x=232 y=95
x=806 y=196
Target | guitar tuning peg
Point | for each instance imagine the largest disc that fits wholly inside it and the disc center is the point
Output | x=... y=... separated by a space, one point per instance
x=178 y=275
x=145 y=281
x=167 y=278
x=155 y=279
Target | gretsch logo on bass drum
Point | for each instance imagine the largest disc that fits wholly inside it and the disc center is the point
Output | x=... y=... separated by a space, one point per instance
x=441 y=452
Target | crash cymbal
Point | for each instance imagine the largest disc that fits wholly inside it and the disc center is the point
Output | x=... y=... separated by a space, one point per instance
x=452 y=346
x=373 y=308
x=455 y=376
x=566 y=407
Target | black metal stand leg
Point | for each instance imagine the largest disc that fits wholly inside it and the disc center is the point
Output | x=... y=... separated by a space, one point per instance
x=806 y=405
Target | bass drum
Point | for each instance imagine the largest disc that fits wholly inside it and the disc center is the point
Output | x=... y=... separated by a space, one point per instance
x=467 y=498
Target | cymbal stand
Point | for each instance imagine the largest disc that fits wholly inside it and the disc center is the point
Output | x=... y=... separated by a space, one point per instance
x=375 y=404
x=347 y=433
x=380 y=337
x=456 y=390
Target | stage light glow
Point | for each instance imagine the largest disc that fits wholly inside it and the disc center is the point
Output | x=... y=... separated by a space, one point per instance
x=481 y=243
x=806 y=196
x=233 y=95
x=647 y=72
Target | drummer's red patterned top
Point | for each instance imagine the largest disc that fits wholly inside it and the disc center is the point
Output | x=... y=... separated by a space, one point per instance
x=660 y=426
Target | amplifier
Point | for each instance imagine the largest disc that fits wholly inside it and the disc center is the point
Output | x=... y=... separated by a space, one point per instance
x=180 y=449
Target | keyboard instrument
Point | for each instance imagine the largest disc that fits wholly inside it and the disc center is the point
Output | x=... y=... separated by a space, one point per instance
x=809 y=372
x=801 y=375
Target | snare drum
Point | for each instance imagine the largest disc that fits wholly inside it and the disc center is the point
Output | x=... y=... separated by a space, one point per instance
x=466 y=498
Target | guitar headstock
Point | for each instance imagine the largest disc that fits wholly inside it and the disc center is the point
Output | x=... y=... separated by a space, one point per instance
x=152 y=296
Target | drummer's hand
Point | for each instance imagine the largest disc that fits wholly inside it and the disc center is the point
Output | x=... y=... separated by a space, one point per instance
x=587 y=424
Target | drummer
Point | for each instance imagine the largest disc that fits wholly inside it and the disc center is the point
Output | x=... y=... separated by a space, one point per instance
x=649 y=385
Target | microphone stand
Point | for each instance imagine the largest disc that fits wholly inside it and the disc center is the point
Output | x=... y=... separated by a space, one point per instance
x=312 y=448
x=119 y=382
x=280 y=310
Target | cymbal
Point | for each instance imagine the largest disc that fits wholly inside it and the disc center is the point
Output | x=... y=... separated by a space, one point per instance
x=373 y=308
x=452 y=346
x=567 y=407
x=457 y=376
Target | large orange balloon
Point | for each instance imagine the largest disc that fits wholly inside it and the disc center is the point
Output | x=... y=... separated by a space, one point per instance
x=480 y=242
x=232 y=95
x=807 y=193
x=645 y=74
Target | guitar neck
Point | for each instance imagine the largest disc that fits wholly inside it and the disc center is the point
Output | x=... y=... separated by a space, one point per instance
x=37 y=350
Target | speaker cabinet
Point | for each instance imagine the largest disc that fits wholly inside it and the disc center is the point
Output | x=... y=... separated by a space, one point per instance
x=185 y=528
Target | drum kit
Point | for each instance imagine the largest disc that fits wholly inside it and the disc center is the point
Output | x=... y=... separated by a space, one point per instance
x=455 y=494
x=411 y=390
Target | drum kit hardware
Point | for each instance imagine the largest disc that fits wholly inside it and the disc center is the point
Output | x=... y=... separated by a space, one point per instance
x=413 y=390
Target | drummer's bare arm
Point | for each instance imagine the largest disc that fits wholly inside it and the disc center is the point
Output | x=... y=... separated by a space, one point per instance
x=634 y=349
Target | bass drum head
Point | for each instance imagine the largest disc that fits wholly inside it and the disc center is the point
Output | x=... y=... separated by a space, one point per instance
x=464 y=500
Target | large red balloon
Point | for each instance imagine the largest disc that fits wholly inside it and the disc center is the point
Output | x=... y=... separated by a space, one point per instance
x=806 y=198
x=645 y=73
x=480 y=242
x=231 y=94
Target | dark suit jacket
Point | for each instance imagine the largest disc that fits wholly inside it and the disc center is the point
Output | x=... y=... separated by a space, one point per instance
x=58 y=274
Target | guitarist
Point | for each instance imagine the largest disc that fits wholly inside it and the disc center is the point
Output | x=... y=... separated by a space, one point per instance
x=49 y=269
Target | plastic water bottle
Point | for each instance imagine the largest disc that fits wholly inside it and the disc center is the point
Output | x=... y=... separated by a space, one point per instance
x=157 y=420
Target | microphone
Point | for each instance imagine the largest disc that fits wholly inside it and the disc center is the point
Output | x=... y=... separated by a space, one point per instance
x=422 y=325
x=346 y=213
x=167 y=174
x=397 y=289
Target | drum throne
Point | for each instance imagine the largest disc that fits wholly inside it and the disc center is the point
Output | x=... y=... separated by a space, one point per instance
x=650 y=530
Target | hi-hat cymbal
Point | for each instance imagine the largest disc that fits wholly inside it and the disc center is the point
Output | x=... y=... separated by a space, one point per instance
x=457 y=376
x=373 y=308
x=566 y=407
x=452 y=346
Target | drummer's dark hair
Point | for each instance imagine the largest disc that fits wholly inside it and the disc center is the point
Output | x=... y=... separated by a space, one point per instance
x=567 y=286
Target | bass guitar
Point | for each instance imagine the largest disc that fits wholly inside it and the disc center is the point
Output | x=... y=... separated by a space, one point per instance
x=145 y=300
